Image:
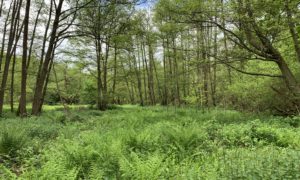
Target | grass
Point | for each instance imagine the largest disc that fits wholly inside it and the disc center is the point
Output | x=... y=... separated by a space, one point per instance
x=131 y=142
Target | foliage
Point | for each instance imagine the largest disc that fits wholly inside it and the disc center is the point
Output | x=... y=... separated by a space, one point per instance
x=131 y=142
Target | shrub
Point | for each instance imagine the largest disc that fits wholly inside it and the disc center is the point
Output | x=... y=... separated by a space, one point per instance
x=152 y=143
x=293 y=121
x=149 y=167
x=142 y=142
x=45 y=132
x=181 y=140
x=11 y=142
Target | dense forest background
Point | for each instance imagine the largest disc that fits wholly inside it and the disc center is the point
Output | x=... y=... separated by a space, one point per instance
x=236 y=54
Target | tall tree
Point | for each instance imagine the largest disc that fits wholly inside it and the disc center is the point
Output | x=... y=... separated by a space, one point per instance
x=14 y=35
x=22 y=105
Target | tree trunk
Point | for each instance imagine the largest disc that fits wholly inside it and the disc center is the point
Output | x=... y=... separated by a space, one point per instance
x=4 y=35
x=114 y=73
x=288 y=77
x=226 y=46
x=10 y=48
x=12 y=83
x=99 y=77
x=138 y=78
x=176 y=74
x=33 y=36
x=105 y=92
x=151 y=72
x=165 y=95
x=38 y=94
x=22 y=105
x=145 y=69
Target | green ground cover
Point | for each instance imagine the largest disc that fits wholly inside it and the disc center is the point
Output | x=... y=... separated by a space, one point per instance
x=131 y=142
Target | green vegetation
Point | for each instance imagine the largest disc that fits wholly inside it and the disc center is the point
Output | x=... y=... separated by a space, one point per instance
x=149 y=89
x=131 y=142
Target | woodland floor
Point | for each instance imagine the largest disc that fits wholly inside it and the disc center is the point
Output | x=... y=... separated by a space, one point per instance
x=131 y=142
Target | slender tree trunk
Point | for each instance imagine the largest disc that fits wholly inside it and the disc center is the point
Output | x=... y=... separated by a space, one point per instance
x=176 y=74
x=22 y=105
x=145 y=69
x=10 y=48
x=99 y=76
x=170 y=77
x=199 y=71
x=147 y=65
x=226 y=46
x=205 y=66
x=151 y=72
x=214 y=78
x=104 y=103
x=47 y=80
x=12 y=83
x=165 y=96
x=4 y=35
x=183 y=59
x=1 y=7
x=188 y=76
x=115 y=73
x=33 y=36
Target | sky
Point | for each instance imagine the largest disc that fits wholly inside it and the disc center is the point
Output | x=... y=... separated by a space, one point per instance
x=146 y=4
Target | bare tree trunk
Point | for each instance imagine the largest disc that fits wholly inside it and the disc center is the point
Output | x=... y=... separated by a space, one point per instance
x=99 y=81
x=47 y=80
x=115 y=73
x=150 y=75
x=143 y=56
x=170 y=76
x=214 y=78
x=165 y=94
x=12 y=83
x=22 y=105
x=104 y=92
x=183 y=59
x=176 y=74
x=198 y=64
x=147 y=65
x=1 y=6
x=188 y=76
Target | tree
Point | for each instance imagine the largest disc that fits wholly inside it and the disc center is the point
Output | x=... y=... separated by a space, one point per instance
x=63 y=20
x=106 y=19
x=14 y=35
x=22 y=106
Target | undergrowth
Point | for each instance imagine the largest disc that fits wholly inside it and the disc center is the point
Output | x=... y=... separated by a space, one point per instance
x=133 y=142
